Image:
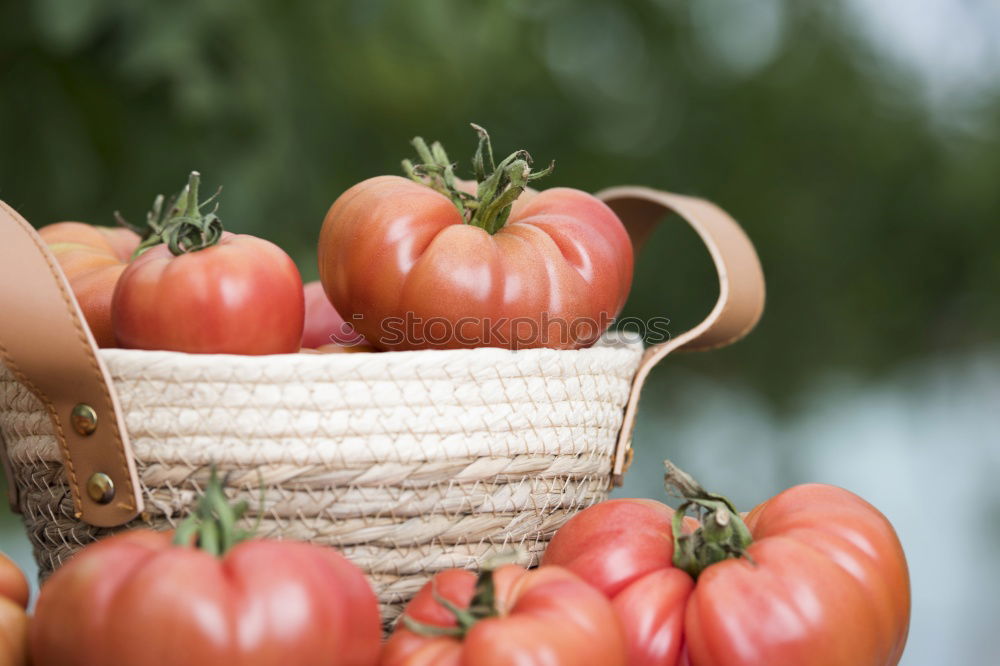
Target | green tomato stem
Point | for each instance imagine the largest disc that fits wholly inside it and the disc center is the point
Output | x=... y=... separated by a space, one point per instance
x=498 y=185
x=482 y=606
x=722 y=534
x=179 y=222
x=212 y=525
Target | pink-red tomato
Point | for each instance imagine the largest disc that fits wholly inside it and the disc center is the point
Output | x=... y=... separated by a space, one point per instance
x=545 y=616
x=13 y=633
x=136 y=599
x=93 y=259
x=241 y=296
x=324 y=325
x=399 y=262
x=825 y=583
x=13 y=584
x=13 y=619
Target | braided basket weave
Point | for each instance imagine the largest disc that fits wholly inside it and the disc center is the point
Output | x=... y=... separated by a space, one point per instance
x=408 y=462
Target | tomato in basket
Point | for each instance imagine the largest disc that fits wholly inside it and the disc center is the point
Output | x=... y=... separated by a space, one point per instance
x=324 y=325
x=814 y=575
x=13 y=619
x=430 y=261
x=93 y=259
x=196 y=288
x=144 y=599
x=504 y=617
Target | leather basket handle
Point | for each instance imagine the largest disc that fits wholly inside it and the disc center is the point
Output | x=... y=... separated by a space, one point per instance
x=741 y=284
x=46 y=344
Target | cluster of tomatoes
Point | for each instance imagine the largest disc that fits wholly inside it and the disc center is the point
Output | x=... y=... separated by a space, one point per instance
x=428 y=261
x=812 y=577
x=815 y=576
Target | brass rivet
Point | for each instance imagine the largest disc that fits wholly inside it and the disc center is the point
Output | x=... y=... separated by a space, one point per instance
x=101 y=488
x=84 y=419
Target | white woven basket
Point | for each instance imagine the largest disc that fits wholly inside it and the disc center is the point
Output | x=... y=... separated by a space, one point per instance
x=408 y=462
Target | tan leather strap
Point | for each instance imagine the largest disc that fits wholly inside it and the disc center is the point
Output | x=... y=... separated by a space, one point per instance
x=46 y=344
x=741 y=284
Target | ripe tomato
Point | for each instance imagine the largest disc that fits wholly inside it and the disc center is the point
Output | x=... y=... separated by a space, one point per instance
x=13 y=619
x=324 y=325
x=506 y=617
x=208 y=291
x=13 y=584
x=822 y=579
x=423 y=263
x=136 y=599
x=93 y=258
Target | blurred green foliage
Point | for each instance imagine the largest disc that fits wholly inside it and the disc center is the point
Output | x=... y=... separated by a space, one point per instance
x=877 y=229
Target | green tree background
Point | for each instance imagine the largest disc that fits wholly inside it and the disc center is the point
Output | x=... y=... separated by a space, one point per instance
x=877 y=230
x=874 y=212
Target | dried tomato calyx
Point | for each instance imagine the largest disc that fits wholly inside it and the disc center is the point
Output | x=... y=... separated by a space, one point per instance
x=498 y=185
x=212 y=525
x=482 y=606
x=179 y=221
x=721 y=535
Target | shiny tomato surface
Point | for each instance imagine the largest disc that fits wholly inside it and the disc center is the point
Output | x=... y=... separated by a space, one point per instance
x=93 y=259
x=399 y=263
x=136 y=599
x=545 y=617
x=825 y=583
x=241 y=296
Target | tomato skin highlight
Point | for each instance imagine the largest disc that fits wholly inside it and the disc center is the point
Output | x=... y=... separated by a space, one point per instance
x=393 y=250
x=136 y=599
x=241 y=296
x=93 y=259
x=827 y=585
x=546 y=616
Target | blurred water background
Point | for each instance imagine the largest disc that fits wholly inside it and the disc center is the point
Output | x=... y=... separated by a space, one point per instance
x=857 y=141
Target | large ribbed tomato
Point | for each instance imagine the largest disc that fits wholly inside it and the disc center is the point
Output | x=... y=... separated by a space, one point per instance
x=507 y=617
x=93 y=258
x=137 y=599
x=815 y=576
x=203 y=290
x=432 y=262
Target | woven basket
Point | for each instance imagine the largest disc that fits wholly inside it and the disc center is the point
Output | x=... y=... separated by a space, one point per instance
x=408 y=462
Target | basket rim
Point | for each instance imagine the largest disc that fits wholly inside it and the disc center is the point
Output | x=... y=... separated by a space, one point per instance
x=617 y=342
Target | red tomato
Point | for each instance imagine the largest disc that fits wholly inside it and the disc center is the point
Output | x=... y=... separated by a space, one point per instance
x=13 y=584
x=824 y=581
x=13 y=619
x=324 y=325
x=424 y=264
x=93 y=258
x=241 y=296
x=136 y=599
x=514 y=617
x=13 y=634
x=207 y=291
